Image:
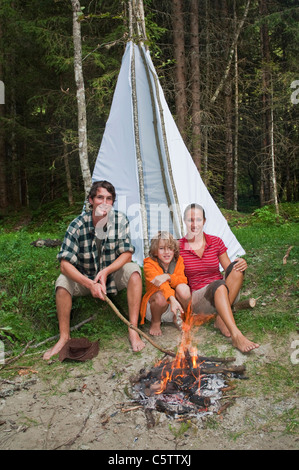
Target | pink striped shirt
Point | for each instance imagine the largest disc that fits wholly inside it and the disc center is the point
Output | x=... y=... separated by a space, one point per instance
x=202 y=271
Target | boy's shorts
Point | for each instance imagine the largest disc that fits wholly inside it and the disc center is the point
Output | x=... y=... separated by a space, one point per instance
x=166 y=316
x=121 y=278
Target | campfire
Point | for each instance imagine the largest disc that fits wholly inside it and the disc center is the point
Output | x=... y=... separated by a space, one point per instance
x=189 y=384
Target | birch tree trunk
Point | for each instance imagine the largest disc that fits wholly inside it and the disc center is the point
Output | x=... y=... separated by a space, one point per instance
x=82 y=126
x=272 y=156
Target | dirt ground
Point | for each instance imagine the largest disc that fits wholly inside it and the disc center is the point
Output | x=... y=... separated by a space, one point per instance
x=88 y=406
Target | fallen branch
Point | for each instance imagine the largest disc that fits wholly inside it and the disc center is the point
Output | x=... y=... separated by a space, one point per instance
x=16 y=387
x=74 y=328
x=71 y=441
x=15 y=358
x=284 y=261
x=125 y=410
x=115 y=309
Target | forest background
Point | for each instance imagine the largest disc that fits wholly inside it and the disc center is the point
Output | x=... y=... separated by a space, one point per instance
x=229 y=70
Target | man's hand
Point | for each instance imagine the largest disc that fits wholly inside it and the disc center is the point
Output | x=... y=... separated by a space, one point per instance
x=98 y=288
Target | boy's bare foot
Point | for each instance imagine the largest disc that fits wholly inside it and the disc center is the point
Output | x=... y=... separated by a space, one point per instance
x=56 y=348
x=135 y=340
x=220 y=325
x=155 y=329
x=243 y=344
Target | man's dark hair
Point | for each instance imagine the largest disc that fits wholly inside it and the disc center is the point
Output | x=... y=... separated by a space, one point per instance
x=102 y=184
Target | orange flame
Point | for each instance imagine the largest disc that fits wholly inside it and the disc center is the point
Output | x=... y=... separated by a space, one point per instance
x=180 y=361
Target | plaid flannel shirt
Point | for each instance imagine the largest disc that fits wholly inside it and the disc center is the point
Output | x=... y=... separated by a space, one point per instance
x=80 y=249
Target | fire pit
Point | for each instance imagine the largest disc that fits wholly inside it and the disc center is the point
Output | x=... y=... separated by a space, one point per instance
x=189 y=385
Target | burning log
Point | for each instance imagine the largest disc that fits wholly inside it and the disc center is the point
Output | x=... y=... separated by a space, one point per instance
x=172 y=409
x=200 y=401
x=201 y=369
x=190 y=384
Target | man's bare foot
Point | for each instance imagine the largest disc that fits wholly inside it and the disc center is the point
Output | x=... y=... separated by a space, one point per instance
x=155 y=329
x=56 y=349
x=135 y=340
x=243 y=344
x=220 y=325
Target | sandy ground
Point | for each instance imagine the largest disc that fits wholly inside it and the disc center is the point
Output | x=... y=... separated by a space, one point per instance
x=88 y=406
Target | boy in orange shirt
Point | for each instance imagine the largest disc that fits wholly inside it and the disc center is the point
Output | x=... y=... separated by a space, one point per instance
x=166 y=284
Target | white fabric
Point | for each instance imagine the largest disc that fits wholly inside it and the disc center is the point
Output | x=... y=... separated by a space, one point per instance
x=117 y=161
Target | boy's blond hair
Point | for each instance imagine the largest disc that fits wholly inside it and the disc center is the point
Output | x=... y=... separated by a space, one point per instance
x=172 y=244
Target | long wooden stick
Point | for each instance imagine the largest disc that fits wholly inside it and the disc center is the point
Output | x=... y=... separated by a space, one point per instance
x=284 y=261
x=115 y=309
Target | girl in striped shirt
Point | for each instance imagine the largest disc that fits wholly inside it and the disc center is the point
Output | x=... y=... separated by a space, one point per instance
x=202 y=254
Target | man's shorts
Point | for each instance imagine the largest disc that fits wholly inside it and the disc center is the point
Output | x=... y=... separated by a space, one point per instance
x=121 y=278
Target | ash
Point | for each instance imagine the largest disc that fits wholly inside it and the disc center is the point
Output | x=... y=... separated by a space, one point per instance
x=192 y=389
x=179 y=404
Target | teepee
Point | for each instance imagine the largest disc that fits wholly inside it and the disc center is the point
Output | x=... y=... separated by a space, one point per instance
x=143 y=155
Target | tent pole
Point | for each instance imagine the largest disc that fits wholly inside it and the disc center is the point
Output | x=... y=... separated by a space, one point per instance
x=158 y=143
x=139 y=157
x=176 y=199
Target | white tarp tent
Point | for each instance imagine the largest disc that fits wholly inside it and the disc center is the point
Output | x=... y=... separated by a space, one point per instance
x=144 y=156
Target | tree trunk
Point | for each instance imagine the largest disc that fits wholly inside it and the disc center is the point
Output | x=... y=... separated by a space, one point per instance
x=195 y=85
x=229 y=168
x=272 y=154
x=179 y=55
x=266 y=102
x=68 y=174
x=207 y=96
x=236 y=140
x=82 y=127
x=3 y=187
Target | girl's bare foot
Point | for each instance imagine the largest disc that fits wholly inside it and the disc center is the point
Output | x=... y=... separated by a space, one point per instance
x=243 y=344
x=220 y=325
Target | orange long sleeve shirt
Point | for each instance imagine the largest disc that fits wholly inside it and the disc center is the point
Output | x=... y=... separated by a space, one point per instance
x=151 y=270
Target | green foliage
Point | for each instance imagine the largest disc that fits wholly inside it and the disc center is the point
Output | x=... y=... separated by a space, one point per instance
x=28 y=274
x=266 y=216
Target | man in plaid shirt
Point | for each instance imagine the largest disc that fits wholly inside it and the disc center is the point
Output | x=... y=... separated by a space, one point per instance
x=96 y=258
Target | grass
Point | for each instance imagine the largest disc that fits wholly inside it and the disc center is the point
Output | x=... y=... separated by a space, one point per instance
x=28 y=313
x=28 y=274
